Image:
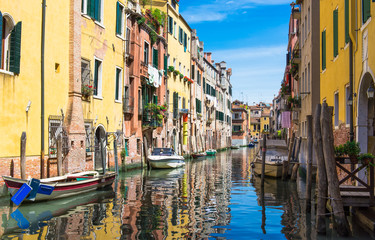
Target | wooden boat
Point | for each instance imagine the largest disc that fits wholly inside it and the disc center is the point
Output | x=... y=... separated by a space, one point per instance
x=199 y=155
x=211 y=152
x=251 y=144
x=277 y=152
x=65 y=186
x=165 y=158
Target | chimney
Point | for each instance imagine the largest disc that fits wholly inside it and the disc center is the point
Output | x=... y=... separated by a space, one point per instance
x=208 y=55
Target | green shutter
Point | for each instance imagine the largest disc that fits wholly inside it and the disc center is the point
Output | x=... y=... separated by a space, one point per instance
x=170 y=24
x=15 y=49
x=155 y=99
x=193 y=72
x=324 y=50
x=96 y=72
x=97 y=11
x=1 y=31
x=118 y=18
x=366 y=10
x=91 y=8
x=335 y=33
x=155 y=58
x=118 y=71
x=165 y=65
x=175 y=105
x=185 y=41
x=346 y=21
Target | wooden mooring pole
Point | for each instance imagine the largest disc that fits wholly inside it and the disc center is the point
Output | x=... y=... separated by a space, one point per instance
x=145 y=151
x=23 y=155
x=264 y=149
x=341 y=223
x=59 y=155
x=286 y=166
x=309 y=162
x=322 y=177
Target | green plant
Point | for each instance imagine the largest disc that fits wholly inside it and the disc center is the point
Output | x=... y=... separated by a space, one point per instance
x=340 y=151
x=181 y=75
x=170 y=69
x=176 y=72
x=159 y=16
x=365 y=157
x=123 y=154
x=153 y=37
x=352 y=149
x=141 y=20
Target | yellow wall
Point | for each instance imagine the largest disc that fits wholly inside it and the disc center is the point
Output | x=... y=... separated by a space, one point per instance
x=264 y=121
x=176 y=51
x=336 y=75
x=101 y=42
x=16 y=91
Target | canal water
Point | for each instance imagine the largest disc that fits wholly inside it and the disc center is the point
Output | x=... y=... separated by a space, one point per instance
x=215 y=198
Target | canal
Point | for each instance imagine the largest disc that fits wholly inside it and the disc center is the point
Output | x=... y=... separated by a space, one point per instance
x=215 y=198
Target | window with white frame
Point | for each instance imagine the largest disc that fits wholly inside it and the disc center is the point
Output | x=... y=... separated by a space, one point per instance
x=93 y=9
x=308 y=78
x=118 y=84
x=347 y=113
x=120 y=19
x=10 y=44
x=98 y=68
x=146 y=51
x=337 y=109
x=174 y=29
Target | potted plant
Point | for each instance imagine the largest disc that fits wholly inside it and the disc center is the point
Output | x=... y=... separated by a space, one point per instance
x=181 y=75
x=176 y=72
x=365 y=158
x=170 y=69
x=352 y=149
x=340 y=151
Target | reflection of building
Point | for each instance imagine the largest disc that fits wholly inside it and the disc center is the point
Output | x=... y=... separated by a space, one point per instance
x=240 y=123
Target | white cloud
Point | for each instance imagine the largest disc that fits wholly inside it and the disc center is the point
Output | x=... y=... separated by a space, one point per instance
x=220 y=9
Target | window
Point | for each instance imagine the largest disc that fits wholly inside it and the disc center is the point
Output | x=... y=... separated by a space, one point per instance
x=10 y=44
x=188 y=44
x=139 y=146
x=324 y=50
x=175 y=105
x=146 y=53
x=366 y=10
x=86 y=81
x=347 y=95
x=335 y=33
x=193 y=72
x=170 y=24
x=155 y=58
x=305 y=28
x=198 y=105
x=183 y=103
x=308 y=78
x=98 y=78
x=185 y=41
x=118 y=84
x=89 y=138
x=93 y=8
x=119 y=19
x=347 y=21
x=336 y=109
x=127 y=40
x=174 y=29
x=308 y=20
x=173 y=4
x=236 y=128
x=180 y=35
x=198 y=78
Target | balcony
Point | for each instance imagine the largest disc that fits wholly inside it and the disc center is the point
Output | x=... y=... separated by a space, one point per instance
x=295 y=116
x=296 y=57
x=238 y=120
x=297 y=13
x=128 y=105
x=144 y=69
x=238 y=133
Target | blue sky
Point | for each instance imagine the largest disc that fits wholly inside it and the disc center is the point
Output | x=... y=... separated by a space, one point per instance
x=250 y=35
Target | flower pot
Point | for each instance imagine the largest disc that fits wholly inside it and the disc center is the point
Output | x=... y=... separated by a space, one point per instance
x=366 y=161
x=353 y=159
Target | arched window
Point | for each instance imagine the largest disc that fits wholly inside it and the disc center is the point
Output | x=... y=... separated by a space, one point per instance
x=10 y=44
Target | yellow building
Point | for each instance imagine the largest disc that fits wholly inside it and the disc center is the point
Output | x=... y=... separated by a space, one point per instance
x=342 y=23
x=265 y=121
x=20 y=77
x=82 y=72
x=102 y=66
x=179 y=56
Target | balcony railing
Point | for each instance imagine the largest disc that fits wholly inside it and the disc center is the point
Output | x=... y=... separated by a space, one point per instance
x=296 y=59
x=144 y=69
x=128 y=105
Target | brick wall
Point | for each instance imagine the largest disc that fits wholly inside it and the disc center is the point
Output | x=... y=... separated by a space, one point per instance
x=341 y=135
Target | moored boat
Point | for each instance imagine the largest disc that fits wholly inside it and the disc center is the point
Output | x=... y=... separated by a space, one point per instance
x=165 y=158
x=211 y=152
x=276 y=154
x=201 y=155
x=64 y=186
x=235 y=147
x=251 y=144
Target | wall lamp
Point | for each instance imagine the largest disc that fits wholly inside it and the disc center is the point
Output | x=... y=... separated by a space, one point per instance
x=370 y=92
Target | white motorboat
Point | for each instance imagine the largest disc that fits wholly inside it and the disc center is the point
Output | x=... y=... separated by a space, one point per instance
x=165 y=158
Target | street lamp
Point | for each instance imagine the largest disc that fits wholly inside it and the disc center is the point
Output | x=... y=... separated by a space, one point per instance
x=350 y=100
x=370 y=92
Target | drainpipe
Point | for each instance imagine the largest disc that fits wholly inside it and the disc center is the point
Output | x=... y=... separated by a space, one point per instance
x=351 y=134
x=42 y=89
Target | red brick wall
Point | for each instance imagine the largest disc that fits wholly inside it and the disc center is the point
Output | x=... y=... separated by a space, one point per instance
x=341 y=134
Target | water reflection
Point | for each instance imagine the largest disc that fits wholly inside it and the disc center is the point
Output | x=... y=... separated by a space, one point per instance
x=215 y=198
